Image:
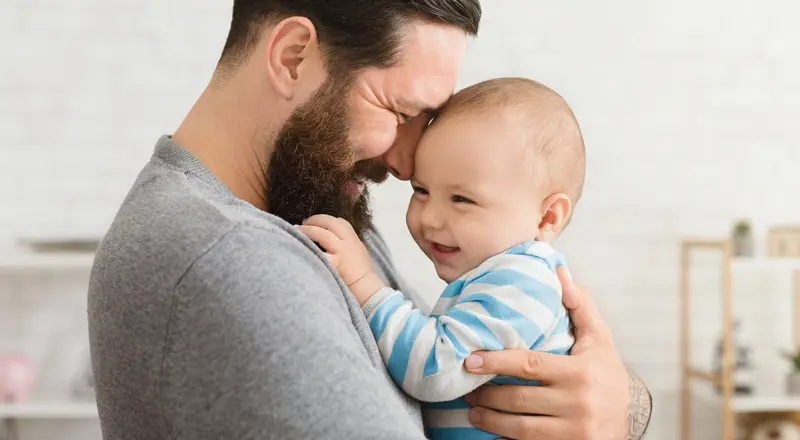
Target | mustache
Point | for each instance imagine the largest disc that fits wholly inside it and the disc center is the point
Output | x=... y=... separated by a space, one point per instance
x=372 y=170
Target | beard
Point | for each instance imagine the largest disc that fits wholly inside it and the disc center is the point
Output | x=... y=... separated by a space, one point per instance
x=313 y=160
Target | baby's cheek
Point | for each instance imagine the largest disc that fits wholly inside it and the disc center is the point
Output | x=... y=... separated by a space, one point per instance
x=476 y=240
x=489 y=242
x=412 y=220
x=410 y=216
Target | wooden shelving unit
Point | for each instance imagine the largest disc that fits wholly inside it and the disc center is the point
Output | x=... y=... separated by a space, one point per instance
x=50 y=410
x=11 y=415
x=17 y=262
x=732 y=405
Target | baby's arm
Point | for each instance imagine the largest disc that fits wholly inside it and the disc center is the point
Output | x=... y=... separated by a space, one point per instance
x=346 y=253
x=515 y=304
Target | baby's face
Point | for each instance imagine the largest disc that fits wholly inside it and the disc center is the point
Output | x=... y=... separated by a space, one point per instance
x=474 y=195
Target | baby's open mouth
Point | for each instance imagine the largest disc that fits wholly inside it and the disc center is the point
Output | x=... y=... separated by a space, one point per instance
x=444 y=249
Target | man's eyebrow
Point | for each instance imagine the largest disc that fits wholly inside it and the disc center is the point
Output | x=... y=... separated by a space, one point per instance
x=408 y=105
x=430 y=110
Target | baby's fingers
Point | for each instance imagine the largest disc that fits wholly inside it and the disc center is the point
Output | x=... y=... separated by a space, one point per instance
x=339 y=226
x=327 y=239
x=334 y=259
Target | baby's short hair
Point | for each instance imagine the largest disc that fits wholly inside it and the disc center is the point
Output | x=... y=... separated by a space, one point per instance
x=554 y=136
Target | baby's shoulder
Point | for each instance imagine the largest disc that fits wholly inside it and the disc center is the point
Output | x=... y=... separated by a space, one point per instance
x=537 y=260
x=538 y=251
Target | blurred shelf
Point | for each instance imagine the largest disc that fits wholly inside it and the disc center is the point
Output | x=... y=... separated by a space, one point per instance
x=49 y=410
x=765 y=263
x=765 y=404
x=696 y=373
x=44 y=262
x=729 y=269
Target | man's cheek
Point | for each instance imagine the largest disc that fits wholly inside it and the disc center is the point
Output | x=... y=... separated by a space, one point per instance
x=374 y=140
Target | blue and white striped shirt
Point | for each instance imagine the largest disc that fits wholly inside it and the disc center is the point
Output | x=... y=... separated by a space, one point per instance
x=512 y=300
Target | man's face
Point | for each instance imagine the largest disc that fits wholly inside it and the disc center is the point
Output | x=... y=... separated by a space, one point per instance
x=314 y=169
x=357 y=130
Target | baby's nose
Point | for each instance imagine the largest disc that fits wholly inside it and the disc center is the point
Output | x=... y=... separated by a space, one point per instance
x=431 y=217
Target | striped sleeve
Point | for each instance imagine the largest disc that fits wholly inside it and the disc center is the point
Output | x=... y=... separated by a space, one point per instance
x=514 y=303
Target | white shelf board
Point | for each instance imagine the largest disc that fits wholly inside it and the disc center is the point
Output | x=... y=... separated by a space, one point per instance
x=765 y=263
x=30 y=261
x=49 y=410
x=756 y=403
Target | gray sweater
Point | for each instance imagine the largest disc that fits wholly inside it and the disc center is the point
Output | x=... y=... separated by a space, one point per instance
x=210 y=319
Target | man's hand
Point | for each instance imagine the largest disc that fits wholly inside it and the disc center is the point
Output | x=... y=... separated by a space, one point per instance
x=584 y=396
x=346 y=252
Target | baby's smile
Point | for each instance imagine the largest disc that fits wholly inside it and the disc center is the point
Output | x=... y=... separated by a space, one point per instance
x=442 y=253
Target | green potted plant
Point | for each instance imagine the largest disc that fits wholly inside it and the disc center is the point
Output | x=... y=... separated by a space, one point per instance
x=793 y=379
x=742 y=237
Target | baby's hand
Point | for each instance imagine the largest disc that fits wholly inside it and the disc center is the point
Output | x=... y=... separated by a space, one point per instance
x=346 y=252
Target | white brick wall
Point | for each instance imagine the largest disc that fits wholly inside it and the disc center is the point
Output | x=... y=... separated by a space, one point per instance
x=688 y=108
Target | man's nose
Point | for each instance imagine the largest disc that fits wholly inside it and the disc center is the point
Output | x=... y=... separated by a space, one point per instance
x=399 y=159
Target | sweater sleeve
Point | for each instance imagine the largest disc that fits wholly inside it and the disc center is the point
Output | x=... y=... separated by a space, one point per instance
x=514 y=303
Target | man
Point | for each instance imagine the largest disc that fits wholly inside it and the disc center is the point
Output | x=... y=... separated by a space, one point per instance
x=211 y=317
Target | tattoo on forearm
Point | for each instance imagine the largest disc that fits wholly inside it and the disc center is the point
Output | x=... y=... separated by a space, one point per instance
x=639 y=409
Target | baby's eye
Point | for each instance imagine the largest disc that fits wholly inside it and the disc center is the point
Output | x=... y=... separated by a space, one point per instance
x=462 y=199
x=419 y=190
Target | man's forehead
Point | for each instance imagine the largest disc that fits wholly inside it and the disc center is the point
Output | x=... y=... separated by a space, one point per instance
x=431 y=55
x=423 y=90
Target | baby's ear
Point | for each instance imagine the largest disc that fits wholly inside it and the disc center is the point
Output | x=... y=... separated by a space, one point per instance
x=556 y=210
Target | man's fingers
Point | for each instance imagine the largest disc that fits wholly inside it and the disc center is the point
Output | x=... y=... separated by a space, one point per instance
x=578 y=302
x=566 y=284
x=583 y=313
x=340 y=227
x=519 y=427
x=520 y=399
x=564 y=276
x=523 y=364
x=324 y=237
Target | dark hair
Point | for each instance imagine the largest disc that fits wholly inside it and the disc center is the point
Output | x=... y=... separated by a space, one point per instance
x=353 y=33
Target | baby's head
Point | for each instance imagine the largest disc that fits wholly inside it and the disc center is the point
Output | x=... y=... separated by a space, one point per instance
x=502 y=163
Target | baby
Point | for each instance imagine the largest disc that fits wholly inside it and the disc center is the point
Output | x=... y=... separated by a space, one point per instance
x=497 y=175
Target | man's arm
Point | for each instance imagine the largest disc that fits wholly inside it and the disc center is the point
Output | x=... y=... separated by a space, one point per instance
x=640 y=407
x=261 y=345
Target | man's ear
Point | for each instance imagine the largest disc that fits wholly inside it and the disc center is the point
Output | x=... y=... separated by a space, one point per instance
x=293 y=52
x=556 y=210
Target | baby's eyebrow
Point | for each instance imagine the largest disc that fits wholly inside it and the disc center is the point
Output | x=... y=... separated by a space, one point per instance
x=461 y=187
x=415 y=182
